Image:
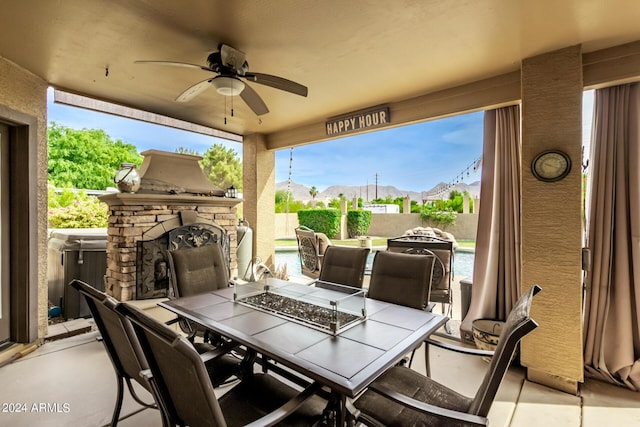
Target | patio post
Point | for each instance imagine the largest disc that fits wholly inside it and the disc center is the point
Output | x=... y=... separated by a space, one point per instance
x=258 y=193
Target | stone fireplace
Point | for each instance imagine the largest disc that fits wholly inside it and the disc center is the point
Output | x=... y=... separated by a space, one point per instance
x=178 y=194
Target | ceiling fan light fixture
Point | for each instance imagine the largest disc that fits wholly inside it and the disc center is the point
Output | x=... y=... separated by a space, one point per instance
x=228 y=86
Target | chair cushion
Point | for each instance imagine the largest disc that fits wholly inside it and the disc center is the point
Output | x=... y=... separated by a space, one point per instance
x=260 y=394
x=401 y=278
x=411 y=384
x=198 y=270
x=344 y=265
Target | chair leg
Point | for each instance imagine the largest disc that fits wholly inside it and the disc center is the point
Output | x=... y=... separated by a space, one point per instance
x=447 y=326
x=411 y=358
x=119 y=398
x=137 y=398
x=426 y=359
x=161 y=404
x=246 y=365
x=115 y=418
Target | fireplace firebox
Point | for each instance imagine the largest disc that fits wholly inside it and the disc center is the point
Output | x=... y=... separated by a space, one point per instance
x=153 y=279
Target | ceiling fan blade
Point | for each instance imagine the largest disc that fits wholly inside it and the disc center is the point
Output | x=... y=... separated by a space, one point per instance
x=278 y=83
x=175 y=64
x=231 y=57
x=194 y=91
x=254 y=101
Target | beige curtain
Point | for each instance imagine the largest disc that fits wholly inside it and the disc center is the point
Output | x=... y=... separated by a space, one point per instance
x=612 y=323
x=496 y=272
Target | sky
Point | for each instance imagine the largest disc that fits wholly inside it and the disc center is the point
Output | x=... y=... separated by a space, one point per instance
x=410 y=158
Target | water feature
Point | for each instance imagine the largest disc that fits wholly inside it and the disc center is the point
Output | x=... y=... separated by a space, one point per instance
x=462 y=263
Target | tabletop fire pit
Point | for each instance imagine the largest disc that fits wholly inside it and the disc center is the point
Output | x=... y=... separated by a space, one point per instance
x=331 y=310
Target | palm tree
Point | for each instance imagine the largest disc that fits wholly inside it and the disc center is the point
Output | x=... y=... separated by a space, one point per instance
x=313 y=191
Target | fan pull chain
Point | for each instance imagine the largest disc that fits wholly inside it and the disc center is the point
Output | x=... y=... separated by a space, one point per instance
x=225 y=110
x=232 y=83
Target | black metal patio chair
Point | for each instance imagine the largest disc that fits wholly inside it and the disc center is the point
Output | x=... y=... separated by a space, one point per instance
x=401 y=278
x=403 y=397
x=188 y=394
x=197 y=270
x=404 y=279
x=125 y=353
x=311 y=247
x=344 y=265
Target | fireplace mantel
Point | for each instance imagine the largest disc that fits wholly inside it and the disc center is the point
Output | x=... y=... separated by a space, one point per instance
x=130 y=199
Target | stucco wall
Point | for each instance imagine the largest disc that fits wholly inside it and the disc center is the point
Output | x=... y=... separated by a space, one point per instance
x=25 y=93
x=551 y=222
x=390 y=225
x=258 y=188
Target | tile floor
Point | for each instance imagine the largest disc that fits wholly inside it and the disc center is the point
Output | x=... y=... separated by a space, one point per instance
x=70 y=382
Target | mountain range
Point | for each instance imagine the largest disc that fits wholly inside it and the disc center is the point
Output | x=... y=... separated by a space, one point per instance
x=370 y=192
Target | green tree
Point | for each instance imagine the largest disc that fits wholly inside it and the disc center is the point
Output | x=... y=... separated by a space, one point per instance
x=185 y=150
x=87 y=158
x=222 y=166
x=287 y=204
x=456 y=201
x=313 y=192
x=334 y=203
x=282 y=196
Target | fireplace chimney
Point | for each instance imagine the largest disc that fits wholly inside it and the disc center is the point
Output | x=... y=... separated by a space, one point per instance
x=165 y=172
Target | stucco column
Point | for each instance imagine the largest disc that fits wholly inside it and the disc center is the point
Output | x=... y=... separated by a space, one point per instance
x=551 y=218
x=406 y=205
x=258 y=193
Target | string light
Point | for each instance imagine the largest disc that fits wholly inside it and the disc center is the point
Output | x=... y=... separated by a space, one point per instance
x=443 y=188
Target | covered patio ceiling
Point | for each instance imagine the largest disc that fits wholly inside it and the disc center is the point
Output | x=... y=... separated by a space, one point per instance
x=350 y=54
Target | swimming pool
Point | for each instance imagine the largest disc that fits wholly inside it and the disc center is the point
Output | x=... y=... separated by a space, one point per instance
x=462 y=262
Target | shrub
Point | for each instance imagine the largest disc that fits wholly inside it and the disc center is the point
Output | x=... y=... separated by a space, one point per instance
x=358 y=222
x=325 y=221
x=439 y=218
x=76 y=210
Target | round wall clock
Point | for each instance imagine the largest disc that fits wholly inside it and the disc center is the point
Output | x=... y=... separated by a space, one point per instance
x=551 y=165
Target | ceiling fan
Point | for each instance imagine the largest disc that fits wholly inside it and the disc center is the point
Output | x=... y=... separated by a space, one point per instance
x=230 y=66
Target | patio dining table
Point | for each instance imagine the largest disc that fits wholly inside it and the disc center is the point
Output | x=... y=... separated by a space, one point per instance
x=346 y=361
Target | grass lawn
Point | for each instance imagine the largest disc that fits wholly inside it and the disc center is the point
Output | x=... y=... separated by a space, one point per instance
x=467 y=243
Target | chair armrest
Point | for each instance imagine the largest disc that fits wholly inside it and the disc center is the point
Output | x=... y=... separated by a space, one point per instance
x=218 y=351
x=459 y=349
x=192 y=332
x=146 y=374
x=426 y=408
x=288 y=408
